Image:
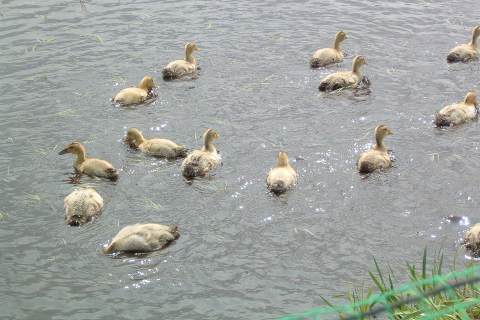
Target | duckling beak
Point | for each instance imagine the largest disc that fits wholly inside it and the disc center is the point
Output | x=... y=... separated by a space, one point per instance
x=196 y=49
x=155 y=86
x=364 y=61
x=346 y=37
x=389 y=132
x=217 y=135
x=63 y=151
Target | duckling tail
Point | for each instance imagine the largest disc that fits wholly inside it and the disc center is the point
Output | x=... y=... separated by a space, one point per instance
x=190 y=170
x=278 y=186
x=174 y=231
x=112 y=173
x=168 y=73
x=314 y=63
x=181 y=151
x=453 y=57
x=441 y=120
x=366 y=167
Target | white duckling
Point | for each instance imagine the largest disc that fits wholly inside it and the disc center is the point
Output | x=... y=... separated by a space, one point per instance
x=90 y=166
x=468 y=51
x=325 y=56
x=142 y=238
x=135 y=94
x=81 y=205
x=179 y=68
x=156 y=147
x=342 y=79
x=472 y=239
x=378 y=156
x=283 y=176
x=458 y=112
x=199 y=162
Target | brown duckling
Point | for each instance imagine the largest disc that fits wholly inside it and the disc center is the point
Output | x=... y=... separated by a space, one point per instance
x=458 y=112
x=142 y=238
x=342 y=79
x=378 y=156
x=466 y=52
x=135 y=94
x=179 y=68
x=283 y=176
x=90 y=166
x=472 y=239
x=81 y=205
x=156 y=147
x=325 y=56
x=199 y=162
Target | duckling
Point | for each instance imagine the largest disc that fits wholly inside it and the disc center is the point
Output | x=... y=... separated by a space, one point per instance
x=378 y=156
x=472 y=239
x=199 y=162
x=468 y=51
x=81 y=205
x=283 y=176
x=458 y=112
x=142 y=238
x=156 y=147
x=90 y=166
x=325 y=56
x=135 y=94
x=343 y=79
x=179 y=68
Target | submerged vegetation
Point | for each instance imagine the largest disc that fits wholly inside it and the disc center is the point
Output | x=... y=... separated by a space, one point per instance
x=433 y=295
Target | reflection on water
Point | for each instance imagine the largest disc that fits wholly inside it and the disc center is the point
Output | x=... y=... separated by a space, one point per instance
x=244 y=252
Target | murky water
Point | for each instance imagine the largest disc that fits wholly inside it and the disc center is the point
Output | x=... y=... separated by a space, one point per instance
x=243 y=252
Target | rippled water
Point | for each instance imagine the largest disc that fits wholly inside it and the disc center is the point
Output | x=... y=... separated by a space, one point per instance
x=243 y=252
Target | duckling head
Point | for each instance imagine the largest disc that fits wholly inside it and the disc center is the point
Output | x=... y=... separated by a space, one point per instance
x=147 y=82
x=210 y=135
x=73 y=147
x=381 y=131
x=190 y=47
x=358 y=62
x=133 y=134
x=340 y=36
x=471 y=97
x=476 y=32
x=282 y=159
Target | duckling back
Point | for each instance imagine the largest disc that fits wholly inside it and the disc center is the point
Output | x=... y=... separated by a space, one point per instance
x=198 y=163
x=81 y=205
x=143 y=238
x=99 y=168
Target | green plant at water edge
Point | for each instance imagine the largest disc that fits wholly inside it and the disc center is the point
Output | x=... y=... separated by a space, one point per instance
x=455 y=295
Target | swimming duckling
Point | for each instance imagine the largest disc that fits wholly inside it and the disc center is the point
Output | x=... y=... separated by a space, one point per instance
x=199 y=162
x=135 y=94
x=283 y=176
x=179 y=68
x=468 y=51
x=325 y=56
x=378 y=156
x=91 y=166
x=156 y=147
x=458 y=112
x=342 y=79
x=142 y=238
x=472 y=239
x=81 y=205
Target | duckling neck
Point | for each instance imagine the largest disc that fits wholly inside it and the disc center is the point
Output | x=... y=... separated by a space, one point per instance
x=80 y=157
x=356 y=69
x=283 y=163
x=475 y=42
x=380 y=146
x=139 y=141
x=190 y=58
x=336 y=43
x=208 y=147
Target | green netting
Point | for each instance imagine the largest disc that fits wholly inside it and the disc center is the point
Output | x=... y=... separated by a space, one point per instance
x=450 y=297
